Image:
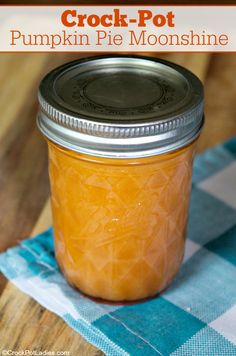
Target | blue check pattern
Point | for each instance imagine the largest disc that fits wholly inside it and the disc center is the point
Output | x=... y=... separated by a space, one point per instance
x=196 y=315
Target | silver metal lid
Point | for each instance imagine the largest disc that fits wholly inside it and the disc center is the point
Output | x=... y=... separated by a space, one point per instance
x=121 y=106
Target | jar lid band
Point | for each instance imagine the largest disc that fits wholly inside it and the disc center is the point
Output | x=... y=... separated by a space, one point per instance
x=121 y=106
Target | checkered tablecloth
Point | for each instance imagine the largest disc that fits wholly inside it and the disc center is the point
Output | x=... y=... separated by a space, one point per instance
x=195 y=316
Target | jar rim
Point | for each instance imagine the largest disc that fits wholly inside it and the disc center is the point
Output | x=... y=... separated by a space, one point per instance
x=168 y=112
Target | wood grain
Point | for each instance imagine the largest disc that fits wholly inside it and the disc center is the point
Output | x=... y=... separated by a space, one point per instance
x=24 y=184
x=25 y=325
x=220 y=98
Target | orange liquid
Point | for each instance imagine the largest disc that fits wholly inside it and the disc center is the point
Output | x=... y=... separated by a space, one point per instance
x=119 y=225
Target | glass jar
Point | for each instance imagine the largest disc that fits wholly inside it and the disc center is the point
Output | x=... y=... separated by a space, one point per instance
x=121 y=133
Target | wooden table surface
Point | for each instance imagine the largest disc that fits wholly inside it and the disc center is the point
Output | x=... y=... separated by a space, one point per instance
x=24 y=188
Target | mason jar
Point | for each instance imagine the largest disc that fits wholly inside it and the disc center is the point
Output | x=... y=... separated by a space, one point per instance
x=121 y=133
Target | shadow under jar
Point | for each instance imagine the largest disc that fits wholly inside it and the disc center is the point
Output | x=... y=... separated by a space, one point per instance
x=121 y=133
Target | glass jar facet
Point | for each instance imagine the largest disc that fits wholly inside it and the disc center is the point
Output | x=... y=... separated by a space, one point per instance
x=119 y=225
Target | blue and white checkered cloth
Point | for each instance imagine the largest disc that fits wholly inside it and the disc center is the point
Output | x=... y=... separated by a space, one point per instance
x=195 y=316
